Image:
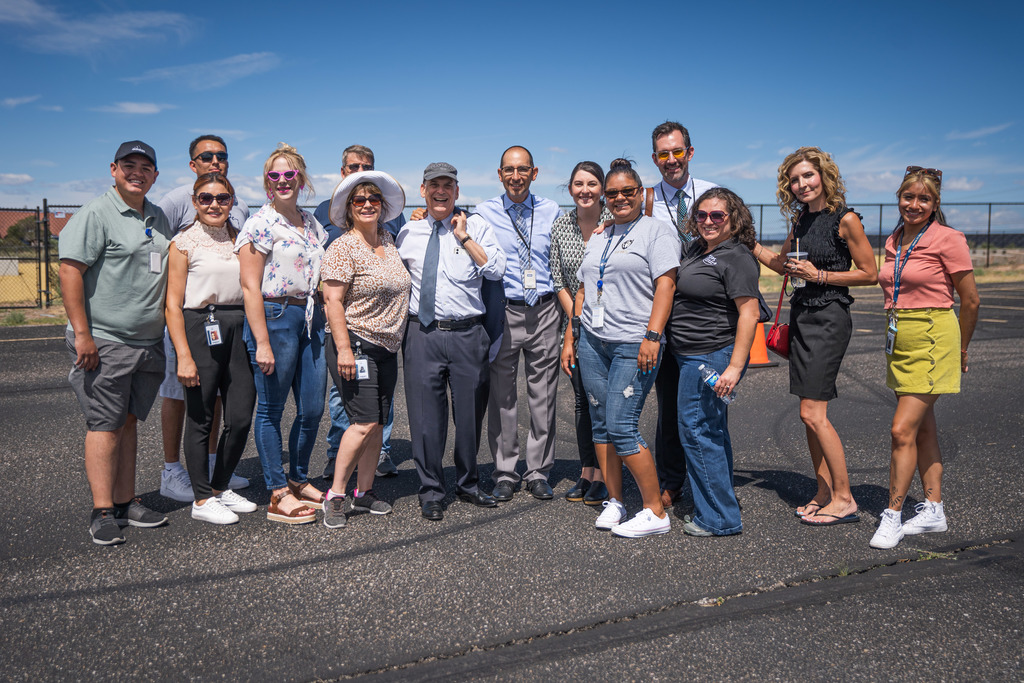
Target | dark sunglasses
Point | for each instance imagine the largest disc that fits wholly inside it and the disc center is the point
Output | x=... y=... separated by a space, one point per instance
x=276 y=175
x=717 y=217
x=207 y=157
x=374 y=199
x=356 y=167
x=627 y=192
x=933 y=172
x=223 y=199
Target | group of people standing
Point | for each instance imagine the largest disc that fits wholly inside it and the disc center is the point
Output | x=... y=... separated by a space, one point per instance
x=633 y=288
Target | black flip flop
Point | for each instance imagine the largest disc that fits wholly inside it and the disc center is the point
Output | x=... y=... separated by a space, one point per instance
x=851 y=518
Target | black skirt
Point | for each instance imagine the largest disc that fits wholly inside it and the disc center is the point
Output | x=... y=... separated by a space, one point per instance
x=818 y=337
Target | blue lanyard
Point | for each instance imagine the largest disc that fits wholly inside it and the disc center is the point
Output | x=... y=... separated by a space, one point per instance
x=897 y=271
x=606 y=255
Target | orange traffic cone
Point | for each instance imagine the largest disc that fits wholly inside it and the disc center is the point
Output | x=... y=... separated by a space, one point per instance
x=759 y=351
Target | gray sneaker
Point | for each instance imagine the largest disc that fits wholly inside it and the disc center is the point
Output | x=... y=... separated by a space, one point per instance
x=137 y=514
x=335 y=511
x=104 y=529
x=368 y=502
x=690 y=528
x=385 y=468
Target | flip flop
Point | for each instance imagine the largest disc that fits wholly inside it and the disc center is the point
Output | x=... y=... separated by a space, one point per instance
x=851 y=518
x=797 y=514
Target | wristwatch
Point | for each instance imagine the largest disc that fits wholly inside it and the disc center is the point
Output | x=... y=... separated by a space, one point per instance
x=653 y=336
x=467 y=238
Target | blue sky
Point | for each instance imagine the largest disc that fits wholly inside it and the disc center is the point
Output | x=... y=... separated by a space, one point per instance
x=880 y=85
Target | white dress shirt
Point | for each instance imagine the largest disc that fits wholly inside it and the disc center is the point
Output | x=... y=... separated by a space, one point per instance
x=665 y=203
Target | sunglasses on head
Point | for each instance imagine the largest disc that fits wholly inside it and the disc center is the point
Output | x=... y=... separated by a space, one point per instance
x=374 y=199
x=222 y=199
x=933 y=172
x=207 y=157
x=276 y=175
x=677 y=153
x=627 y=192
x=717 y=217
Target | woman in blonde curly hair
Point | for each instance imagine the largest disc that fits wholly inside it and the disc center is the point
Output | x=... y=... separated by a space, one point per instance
x=812 y=196
x=279 y=252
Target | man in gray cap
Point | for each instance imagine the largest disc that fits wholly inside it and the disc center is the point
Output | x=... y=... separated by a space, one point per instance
x=448 y=254
x=113 y=258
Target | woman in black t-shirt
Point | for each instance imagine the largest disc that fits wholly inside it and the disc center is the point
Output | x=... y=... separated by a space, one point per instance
x=714 y=316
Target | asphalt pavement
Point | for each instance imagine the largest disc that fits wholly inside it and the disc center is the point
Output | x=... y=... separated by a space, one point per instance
x=531 y=589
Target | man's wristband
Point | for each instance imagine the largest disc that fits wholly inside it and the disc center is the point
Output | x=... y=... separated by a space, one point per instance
x=465 y=239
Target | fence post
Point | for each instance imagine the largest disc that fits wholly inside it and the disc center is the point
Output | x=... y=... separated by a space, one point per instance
x=761 y=223
x=988 y=238
x=881 y=242
x=45 y=267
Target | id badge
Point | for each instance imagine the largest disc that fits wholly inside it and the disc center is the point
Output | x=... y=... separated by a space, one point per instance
x=597 y=319
x=155 y=262
x=530 y=279
x=362 y=368
x=213 y=337
x=890 y=338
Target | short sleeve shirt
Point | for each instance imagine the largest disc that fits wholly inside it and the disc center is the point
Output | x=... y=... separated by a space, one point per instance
x=293 y=253
x=377 y=299
x=177 y=206
x=213 y=274
x=926 y=281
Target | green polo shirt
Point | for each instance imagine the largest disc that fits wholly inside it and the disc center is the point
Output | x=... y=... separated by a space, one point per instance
x=124 y=297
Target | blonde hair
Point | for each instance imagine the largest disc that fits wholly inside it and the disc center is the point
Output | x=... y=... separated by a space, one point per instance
x=292 y=156
x=932 y=185
x=831 y=182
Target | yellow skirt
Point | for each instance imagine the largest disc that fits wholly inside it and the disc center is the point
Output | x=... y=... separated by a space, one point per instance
x=926 y=358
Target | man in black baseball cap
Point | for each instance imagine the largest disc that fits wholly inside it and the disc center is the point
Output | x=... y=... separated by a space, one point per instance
x=135 y=147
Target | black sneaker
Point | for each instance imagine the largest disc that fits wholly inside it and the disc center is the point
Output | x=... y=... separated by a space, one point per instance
x=329 y=469
x=334 y=512
x=137 y=514
x=368 y=502
x=104 y=529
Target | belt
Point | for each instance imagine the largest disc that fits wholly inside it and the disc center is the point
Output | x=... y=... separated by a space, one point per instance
x=451 y=325
x=540 y=300
x=292 y=300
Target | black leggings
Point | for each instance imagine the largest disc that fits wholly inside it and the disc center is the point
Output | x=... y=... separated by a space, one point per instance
x=584 y=427
x=224 y=367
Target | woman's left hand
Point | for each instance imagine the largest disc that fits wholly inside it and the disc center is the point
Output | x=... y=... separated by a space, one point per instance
x=647 y=359
x=802 y=269
x=727 y=381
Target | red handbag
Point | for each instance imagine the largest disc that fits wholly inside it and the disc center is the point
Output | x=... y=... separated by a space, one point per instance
x=777 y=340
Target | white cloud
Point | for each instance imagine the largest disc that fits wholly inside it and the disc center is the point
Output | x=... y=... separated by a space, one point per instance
x=135 y=108
x=15 y=179
x=961 y=184
x=51 y=107
x=12 y=102
x=755 y=145
x=558 y=150
x=978 y=133
x=206 y=75
x=43 y=162
x=229 y=134
x=25 y=12
x=864 y=182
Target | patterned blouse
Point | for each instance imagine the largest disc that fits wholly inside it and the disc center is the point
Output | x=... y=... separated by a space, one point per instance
x=212 y=266
x=567 y=250
x=377 y=300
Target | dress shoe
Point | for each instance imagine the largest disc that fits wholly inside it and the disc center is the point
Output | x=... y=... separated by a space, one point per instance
x=597 y=494
x=503 y=491
x=433 y=511
x=541 y=489
x=478 y=498
x=576 y=493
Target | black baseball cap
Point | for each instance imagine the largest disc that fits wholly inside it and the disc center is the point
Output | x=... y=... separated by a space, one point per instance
x=135 y=147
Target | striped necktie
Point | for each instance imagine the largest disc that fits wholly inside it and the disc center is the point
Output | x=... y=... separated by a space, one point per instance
x=525 y=261
x=681 y=217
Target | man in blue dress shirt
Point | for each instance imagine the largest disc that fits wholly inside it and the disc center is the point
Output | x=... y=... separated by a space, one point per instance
x=522 y=224
x=448 y=255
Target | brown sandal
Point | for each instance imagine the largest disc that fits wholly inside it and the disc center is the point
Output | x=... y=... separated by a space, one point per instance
x=299 y=491
x=300 y=515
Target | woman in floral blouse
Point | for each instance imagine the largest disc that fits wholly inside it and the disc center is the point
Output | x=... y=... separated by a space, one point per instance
x=279 y=251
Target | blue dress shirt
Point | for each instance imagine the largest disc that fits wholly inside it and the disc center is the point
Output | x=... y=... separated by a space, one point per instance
x=540 y=213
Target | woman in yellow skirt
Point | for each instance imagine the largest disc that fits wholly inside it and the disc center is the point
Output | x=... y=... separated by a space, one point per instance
x=926 y=345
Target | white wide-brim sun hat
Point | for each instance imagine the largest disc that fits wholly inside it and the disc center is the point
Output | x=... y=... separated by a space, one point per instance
x=394 y=195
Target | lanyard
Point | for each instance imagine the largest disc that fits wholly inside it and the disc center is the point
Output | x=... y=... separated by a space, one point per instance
x=686 y=237
x=897 y=271
x=520 y=235
x=608 y=251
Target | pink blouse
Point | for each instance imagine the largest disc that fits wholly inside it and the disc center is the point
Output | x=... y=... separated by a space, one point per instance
x=926 y=280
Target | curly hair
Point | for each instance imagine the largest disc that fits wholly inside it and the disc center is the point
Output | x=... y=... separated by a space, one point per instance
x=831 y=182
x=369 y=188
x=292 y=156
x=740 y=219
x=931 y=185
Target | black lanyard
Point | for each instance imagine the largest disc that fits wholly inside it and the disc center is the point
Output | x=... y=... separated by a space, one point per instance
x=897 y=271
x=608 y=251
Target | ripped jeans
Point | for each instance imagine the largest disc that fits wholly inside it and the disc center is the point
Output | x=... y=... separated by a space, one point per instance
x=616 y=390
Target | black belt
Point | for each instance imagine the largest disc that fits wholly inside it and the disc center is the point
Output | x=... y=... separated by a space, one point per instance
x=540 y=300
x=451 y=325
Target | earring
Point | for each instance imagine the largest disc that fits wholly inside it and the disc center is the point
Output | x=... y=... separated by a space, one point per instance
x=301 y=188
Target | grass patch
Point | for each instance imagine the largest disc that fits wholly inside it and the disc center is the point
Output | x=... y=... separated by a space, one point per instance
x=14 y=318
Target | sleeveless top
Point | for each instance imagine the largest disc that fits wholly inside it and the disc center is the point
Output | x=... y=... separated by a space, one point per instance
x=827 y=250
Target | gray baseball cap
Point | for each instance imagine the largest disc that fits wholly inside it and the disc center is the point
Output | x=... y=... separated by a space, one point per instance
x=440 y=169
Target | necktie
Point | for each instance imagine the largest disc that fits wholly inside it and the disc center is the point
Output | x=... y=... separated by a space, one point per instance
x=525 y=262
x=681 y=216
x=428 y=282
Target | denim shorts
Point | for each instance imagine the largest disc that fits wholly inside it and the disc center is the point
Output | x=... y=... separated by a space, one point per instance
x=616 y=390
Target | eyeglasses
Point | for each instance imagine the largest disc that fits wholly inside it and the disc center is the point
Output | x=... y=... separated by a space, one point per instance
x=627 y=192
x=374 y=199
x=717 y=217
x=677 y=153
x=512 y=170
x=276 y=175
x=933 y=172
x=357 y=167
x=206 y=198
x=207 y=157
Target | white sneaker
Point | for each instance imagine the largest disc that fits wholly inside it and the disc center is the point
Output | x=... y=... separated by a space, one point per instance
x=175 y=484
x=214 y=512
x=890 y=530
x=236 y=482
x=930 y=518
x=236 y=503
x=614 y=513
x=644 y=524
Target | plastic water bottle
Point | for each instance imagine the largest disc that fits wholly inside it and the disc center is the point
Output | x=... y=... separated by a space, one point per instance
x=710 y=378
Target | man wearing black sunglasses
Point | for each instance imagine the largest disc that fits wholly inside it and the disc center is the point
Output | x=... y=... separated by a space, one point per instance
x=207 y=154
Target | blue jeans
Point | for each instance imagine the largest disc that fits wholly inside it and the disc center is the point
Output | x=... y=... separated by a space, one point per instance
x=340 y=422
x=704 y=432
x=616 y=390
x=299 y=367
